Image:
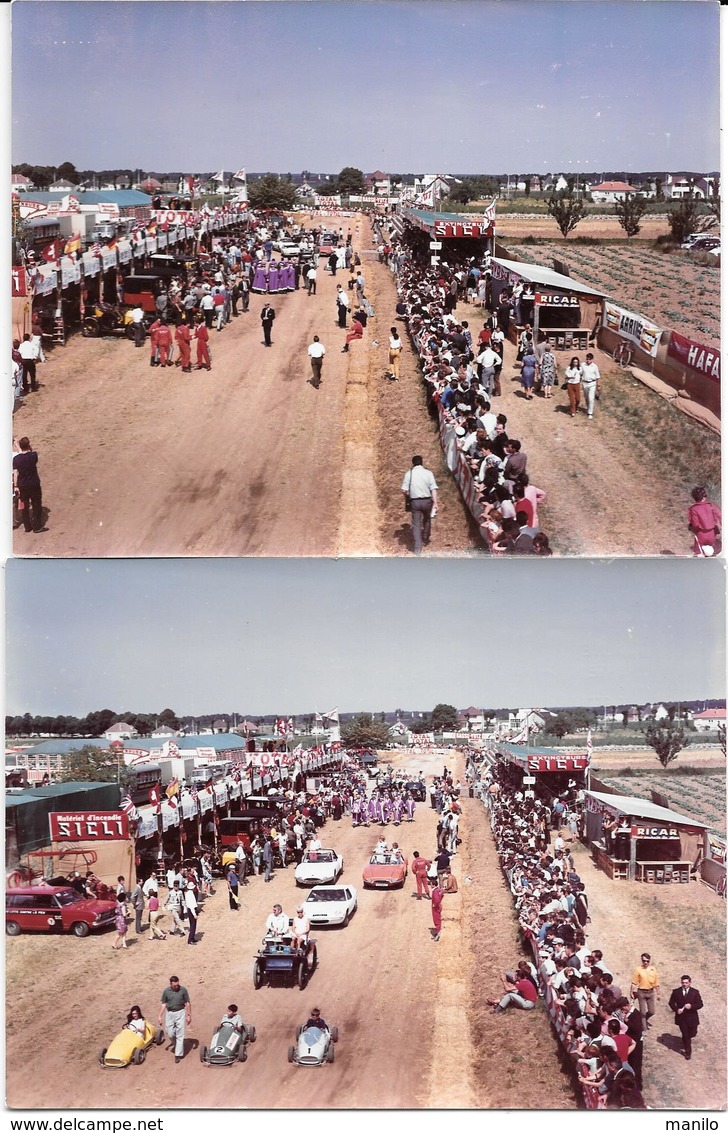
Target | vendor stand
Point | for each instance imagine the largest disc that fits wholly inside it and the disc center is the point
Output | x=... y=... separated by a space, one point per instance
x=634 y=839
x=566 y=312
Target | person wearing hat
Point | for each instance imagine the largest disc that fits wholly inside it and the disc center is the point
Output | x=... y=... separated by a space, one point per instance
x=193 y=909
x=301 y=928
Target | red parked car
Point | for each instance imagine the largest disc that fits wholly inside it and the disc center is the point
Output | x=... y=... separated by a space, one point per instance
x=47 y=908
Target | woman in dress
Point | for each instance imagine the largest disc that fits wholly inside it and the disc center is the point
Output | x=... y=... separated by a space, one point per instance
x=120 y=925
x=529 y=372
x=547 y=371
x=704 y=520
x=573 y=385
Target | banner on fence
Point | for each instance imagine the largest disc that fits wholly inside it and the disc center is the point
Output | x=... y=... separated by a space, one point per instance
x=636 y=328
x=703 y=359
x=715 y=848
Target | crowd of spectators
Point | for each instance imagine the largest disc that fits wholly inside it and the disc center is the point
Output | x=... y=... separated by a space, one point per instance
x=461 y=361
x=602 y=1033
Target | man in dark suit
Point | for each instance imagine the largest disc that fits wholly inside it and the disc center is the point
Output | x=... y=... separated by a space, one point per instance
x=267 y=316
x=685 y=1001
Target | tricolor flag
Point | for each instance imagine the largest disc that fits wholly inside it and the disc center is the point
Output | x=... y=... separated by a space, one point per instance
x=72 y=246
x=52 y=251
x=239 y=176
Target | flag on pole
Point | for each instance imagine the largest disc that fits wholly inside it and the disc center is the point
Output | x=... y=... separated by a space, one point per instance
x=489 y=212
x=52 y=251
x=589 y=746
x=522 y=737
x=239 y=176
x=193 y=792
x=72 y=246
x=96 y=250
x=172 y=788
x=427 y=198
x=333 y=716
x=318 y=717
x=127 y=805
x=218 y=176
x=154 y=798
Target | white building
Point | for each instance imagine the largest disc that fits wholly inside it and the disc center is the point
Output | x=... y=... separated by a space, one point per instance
x=120 y=731
x=608 y=192
x=709 y=720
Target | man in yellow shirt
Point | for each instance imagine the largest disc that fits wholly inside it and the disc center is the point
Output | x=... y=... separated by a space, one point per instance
x=645 y=988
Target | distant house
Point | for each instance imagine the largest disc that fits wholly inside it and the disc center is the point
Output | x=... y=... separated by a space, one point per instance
x=20 y=183
x=473 y=719
x=220 y=725
x=679 y=185
x=535 y=719
x=248 y=728
x=709 y=720
x=163 y=732
x=120 y=731
x=608 y=192
x=62 y=187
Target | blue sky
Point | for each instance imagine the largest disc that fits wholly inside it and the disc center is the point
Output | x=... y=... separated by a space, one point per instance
x=401 y=85
x=295 y=636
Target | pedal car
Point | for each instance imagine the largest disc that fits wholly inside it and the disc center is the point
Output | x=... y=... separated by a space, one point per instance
x=278 y=958
x=314 y=1046
x=130 y=1046
x=228 y=1045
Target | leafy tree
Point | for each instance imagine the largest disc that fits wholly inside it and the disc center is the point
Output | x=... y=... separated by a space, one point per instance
x=271 y=192
x=89 y=764
x=364 y=731
x=560 y=725
x=566 y=210
x=460 y=194
x=721 y=738
x=683 y=220
x=419 y=727
x=630 y=212
x=350 y=181
x=67 y=172
x=444 y=718
x=668 y=738
x=96 y=723
x=169 y=719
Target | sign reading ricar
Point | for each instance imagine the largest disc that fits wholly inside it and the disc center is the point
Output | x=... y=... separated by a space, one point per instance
x=87 y=826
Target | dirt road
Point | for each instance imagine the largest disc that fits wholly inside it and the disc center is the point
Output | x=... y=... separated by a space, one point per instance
x=251 y=459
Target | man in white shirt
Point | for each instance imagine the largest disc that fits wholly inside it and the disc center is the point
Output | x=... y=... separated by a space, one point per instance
x=137 y=322
x=316 y=353
x=150 y=886
x=277 y=924
x=488 y=360
x=590 y=383
x=311 y=279
x=420 y=489
x=28 y=351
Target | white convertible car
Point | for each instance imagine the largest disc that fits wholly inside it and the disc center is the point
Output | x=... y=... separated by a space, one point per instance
x=319 y=867
x=327 y=904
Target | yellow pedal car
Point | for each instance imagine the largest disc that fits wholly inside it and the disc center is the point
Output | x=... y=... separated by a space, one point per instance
x=130 y=1046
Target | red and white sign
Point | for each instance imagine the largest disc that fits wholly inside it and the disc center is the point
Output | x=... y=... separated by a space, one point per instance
x=467 y=228
x=171 y=217
x=88 y=825
x=20 y=283
x=702 y=359
x=32 y=208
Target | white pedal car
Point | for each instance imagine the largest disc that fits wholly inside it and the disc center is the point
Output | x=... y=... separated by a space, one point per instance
x=314 y=1046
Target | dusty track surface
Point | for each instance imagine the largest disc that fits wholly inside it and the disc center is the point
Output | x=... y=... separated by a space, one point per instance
x=415 y=1029
x=402 y=1002
x=251 y=459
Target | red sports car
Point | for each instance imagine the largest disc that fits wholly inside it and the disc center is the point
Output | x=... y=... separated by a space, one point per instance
x=387 y=869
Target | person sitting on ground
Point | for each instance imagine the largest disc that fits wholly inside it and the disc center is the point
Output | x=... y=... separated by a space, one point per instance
x=450 y=883
x=519 y=992
x=315 y=1020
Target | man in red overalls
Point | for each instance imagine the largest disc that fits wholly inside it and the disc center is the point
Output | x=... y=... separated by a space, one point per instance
x=164 y=341
x=420 y=867
x=184 y=344
x=202 y=337
x=154 y=342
